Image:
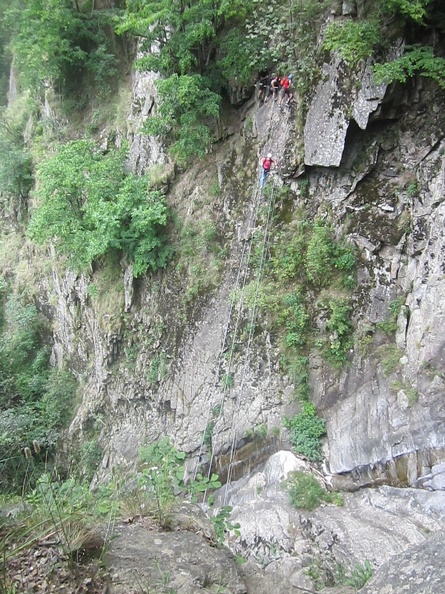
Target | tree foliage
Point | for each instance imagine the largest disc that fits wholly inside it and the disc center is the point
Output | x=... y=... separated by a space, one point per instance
x=43 y=38
x=186 y=105
x=414 y=10
x=356 y=40
x=16 y=176
x=184 y=35
x=23 y=359
x=353 y=41
x=187 y=44
x=36 y=402
x=53 y=41
x=89 y=204
x=417 y=59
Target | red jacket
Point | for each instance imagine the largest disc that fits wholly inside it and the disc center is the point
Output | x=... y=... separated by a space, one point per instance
x=285 y=83
x=267 y=163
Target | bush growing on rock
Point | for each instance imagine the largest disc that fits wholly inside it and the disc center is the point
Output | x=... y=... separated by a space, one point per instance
x=305 y=492
x=88 y=205
x=305 y=431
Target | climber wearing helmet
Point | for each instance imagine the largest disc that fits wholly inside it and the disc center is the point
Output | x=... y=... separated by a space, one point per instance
x=266 y=164
x=287 y=94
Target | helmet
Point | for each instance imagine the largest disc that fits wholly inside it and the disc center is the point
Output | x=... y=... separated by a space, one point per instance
x=269 y=155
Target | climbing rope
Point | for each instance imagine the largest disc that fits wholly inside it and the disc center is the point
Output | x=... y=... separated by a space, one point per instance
x=264 y=250
x=251 y=326
x=240 y=281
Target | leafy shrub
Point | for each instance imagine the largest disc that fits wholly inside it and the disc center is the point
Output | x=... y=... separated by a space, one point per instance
x=305 y=431
x=288 y=256
x=352 y=40
x=296 y=320
x=390 y=356
x=339 y=325
x=200 y=256
x=298 y=369
x=305 y=492
x=23 y=356
x=36 y=402
x=89 y=205
x=417 y=59
x=35 y=426
x=184 y=107
x=223 y=524
x=319 y=254
x=15 y=162
x=163 y=477
x=389 y=326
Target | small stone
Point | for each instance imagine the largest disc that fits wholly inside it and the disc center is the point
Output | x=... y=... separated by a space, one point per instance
x=386 y=207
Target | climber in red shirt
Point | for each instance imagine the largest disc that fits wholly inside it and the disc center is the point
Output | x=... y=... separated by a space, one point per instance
x=266 y=164
x=286 y=90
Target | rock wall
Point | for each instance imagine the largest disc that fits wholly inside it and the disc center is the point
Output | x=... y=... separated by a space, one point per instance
x=376 y=164
x=388 y=194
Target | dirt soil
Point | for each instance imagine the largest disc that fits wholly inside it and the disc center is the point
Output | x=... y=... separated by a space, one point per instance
x=45 y=568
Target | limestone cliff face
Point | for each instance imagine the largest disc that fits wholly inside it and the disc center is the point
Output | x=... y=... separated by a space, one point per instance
x=152 y=364
x=387 y=191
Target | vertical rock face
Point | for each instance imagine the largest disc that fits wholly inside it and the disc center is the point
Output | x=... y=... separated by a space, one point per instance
x=374 y=159
x=145 y=151
x=386 y=419
x=338 y=100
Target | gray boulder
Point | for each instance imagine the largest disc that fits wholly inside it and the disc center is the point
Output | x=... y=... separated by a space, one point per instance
x=141 y=558
x=419 y=570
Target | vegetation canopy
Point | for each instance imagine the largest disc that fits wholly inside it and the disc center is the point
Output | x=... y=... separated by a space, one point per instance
x=56 y=42
x=36 y=401
x=88 y=204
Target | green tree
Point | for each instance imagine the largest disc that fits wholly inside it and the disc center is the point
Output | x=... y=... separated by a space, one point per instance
x=183 y=41
x=353 y=41
x=55 y=41
x=36 y=401
x=23 y=356
x=16 y=173
x=357 y=40
x=88 y=204
x=43 y=39
x=417 y=59
x=184 y=34
x=416 y=10
x=186 y=105
x=305 y=431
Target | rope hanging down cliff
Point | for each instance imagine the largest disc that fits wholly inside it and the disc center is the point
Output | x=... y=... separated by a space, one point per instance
x=251 y=325
x=241 y=279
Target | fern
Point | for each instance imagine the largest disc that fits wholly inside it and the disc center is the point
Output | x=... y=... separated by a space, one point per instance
x=417 y=59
